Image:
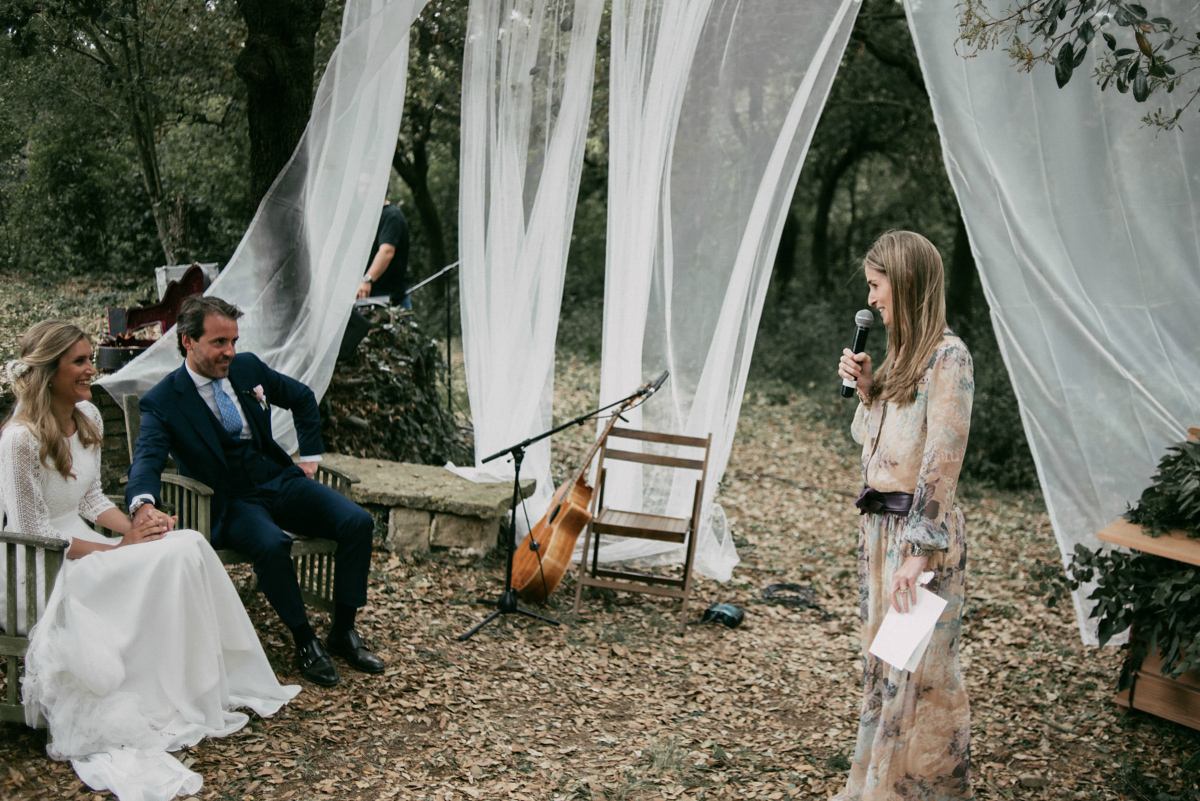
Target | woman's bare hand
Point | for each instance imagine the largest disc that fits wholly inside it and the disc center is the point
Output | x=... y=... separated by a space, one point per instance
x=856 y=367
x=145 y=531
x=904 y=582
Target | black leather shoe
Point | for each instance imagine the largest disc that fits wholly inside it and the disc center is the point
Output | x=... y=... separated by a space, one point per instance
x=315 y=664
x=349 y=646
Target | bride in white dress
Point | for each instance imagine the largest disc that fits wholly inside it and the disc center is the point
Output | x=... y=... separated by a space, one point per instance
x=144 y=646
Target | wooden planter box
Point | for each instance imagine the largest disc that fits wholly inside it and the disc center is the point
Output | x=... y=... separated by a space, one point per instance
x=1174 y=699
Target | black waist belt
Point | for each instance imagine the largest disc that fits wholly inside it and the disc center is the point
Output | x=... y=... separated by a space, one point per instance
x=883 y=503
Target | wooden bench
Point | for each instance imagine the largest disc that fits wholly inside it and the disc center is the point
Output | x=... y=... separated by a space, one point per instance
x=191 y=500
x=14 y=643
x=23 y=549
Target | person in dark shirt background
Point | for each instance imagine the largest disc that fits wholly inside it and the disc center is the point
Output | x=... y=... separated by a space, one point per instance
x=387 y=266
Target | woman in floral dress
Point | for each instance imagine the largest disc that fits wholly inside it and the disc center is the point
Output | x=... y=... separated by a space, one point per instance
x=914 y=733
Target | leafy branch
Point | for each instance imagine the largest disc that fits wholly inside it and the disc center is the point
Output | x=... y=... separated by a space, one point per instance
x=1138 y=53
x=1157 y=598
x=1172 y=501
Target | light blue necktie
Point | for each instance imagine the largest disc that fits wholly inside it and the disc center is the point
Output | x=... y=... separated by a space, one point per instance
x=230 y=419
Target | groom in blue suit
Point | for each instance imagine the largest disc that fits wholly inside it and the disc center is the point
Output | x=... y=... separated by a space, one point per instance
x=213 y=416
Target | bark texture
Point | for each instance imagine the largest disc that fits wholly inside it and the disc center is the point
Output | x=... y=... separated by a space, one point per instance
x=277 y=68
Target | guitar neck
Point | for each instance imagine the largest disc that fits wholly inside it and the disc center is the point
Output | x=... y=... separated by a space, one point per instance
x=591 y=454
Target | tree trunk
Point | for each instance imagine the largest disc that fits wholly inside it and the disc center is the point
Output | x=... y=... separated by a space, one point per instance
x=414 y=171
x=785 y=257
x=277 y=68
x=140 y=117
x=960 y=294
x=829 y=184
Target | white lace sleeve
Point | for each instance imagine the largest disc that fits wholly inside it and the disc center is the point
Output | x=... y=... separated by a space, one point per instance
x=95 y=502
x=21 y=484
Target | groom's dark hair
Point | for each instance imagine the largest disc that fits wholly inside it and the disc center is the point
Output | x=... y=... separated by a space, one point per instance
x=194 y=310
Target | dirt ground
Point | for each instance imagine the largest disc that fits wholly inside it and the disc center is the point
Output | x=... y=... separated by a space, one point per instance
x=621 y=705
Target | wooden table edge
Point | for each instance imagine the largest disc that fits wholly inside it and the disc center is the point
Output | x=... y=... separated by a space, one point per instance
x=1175 y=545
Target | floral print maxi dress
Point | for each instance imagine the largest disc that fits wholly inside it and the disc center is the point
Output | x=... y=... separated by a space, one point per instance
x=914 y=734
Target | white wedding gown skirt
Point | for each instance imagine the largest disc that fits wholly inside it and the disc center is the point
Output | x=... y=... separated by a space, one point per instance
x=143 y=650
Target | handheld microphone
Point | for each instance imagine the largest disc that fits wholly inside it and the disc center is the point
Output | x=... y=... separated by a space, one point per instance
x=658 y=382
x=863 y=320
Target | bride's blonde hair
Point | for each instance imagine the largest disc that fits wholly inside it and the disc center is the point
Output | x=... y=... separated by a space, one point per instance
x=914 y=270
x=41 y=349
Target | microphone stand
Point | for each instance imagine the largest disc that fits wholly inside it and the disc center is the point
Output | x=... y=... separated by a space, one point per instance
x=507 y=604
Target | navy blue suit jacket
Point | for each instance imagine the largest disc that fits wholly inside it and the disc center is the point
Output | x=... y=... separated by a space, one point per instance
x=177 y=421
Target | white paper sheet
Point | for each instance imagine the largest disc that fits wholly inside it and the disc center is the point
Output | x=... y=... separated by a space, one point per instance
x=903 y=636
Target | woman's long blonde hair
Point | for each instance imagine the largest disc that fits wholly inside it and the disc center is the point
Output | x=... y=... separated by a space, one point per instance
x=914 y=270
x=41 y=349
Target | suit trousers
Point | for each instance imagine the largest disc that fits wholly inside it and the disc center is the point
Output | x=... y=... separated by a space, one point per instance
x=255 y=523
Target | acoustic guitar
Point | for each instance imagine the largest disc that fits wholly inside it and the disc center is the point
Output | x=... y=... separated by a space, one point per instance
x=542 y=558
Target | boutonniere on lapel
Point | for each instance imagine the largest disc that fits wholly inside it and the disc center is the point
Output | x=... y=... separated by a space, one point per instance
x=261 y=397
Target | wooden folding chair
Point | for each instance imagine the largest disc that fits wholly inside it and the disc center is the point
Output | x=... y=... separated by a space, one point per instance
x=641 y=525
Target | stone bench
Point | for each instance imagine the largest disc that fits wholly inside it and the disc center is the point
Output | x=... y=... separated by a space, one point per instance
x=429 y=507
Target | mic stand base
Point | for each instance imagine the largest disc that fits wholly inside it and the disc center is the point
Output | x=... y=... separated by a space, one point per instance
x=506 y=604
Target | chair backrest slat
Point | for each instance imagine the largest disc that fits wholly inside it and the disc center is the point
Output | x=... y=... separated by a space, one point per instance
x=10 y=571
x=133 y=421
x=654 y=458
x=655 y=436
x=31 y=588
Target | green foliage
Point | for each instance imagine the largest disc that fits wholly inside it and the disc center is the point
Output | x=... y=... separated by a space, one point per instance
x=426 y=156
x=385 y=402
x=1172 y=501
x=581 y=317
x=1158 y=597
x=75 y=207
x=997 y=452
x=122 y=131
x=1152 y=55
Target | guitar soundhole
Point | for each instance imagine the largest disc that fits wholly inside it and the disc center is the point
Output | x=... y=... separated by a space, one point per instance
x=554 y=514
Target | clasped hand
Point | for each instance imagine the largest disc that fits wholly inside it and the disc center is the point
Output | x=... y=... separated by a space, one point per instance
x=148 y=524
x=856 y=367
x=147 y=531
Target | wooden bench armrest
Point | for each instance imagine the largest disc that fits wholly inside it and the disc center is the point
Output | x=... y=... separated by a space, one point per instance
x=335 y=478
x=337 y=473
x=189 y=484
x=34 y=541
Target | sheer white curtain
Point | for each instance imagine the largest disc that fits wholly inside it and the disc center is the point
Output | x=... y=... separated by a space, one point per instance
x=297 y=268
x=527 y=89
x=1085 y=228
x=712 y=107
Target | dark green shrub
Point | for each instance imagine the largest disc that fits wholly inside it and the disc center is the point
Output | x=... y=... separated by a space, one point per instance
x=997 y=453
x=73 y=206
x=385 y=403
